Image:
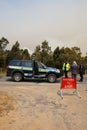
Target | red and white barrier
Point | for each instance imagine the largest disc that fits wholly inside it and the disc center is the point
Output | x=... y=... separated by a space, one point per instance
x=69 y=83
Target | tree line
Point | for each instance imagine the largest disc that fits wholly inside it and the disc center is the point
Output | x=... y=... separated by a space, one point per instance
x=42 y=53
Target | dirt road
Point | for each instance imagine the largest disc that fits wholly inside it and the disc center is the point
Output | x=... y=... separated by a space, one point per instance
x=39 y=107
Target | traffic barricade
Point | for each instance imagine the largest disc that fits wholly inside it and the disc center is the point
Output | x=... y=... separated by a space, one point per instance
x=69 y=83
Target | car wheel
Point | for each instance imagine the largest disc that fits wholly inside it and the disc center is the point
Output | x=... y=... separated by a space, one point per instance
x=17 y=77
x=51 y=78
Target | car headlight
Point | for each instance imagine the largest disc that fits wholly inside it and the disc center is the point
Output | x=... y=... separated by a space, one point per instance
x=58 y=71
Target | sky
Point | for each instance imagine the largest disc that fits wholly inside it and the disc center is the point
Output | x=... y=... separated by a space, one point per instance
x=62 y=23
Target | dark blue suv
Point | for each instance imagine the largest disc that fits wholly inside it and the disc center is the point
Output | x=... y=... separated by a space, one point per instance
x=20 y=69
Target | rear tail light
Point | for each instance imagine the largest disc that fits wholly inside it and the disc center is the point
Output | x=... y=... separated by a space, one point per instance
x=7 y=67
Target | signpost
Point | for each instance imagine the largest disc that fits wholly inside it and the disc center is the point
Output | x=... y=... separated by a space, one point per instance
x=69 y=83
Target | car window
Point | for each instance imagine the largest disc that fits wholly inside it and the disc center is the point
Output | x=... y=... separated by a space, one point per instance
x=15 y=63
x=27 y=63
x=41 y=65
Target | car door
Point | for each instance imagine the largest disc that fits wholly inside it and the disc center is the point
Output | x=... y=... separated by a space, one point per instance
x=42 y=70
x=27 y=67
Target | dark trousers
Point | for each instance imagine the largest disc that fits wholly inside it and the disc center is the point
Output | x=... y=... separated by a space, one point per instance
x=73 y=75
x=66 y=74
x=81 y=76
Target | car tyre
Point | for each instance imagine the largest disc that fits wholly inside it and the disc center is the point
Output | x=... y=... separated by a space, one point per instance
x=17 y=77
x=51 y=78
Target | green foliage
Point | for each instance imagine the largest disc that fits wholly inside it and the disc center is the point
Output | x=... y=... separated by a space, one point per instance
x=66 y=54
x=15 y=52
x=25 y=55
x=37 y=53
x=41 y=53
x=3 y=44
x=84 y=59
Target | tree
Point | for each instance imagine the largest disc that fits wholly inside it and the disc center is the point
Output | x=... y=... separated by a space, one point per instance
x=43 y=54
x=66 y=54
x=56 y=53
x=3 y=44
x=76 y=53
x=15 y=52
x=37 y=53
x=25 y=55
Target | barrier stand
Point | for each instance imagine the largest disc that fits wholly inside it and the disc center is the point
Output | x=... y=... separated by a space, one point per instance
x=69 y=83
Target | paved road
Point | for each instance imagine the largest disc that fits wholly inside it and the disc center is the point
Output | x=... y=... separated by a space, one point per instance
x=7 y=82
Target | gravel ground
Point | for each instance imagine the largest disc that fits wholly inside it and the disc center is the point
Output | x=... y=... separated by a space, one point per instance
x=40 y=107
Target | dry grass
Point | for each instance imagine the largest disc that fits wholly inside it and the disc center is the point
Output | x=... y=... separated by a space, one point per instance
x=7 y=103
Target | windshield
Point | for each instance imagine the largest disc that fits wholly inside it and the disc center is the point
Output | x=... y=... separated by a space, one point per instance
x=41 y=65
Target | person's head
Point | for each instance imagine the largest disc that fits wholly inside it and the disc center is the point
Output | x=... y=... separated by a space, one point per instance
x=74 y=63
x=81 y=62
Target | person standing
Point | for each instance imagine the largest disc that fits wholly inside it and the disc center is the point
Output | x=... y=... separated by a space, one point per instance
x=66 y=68
x=81 y=71
x=74 y=69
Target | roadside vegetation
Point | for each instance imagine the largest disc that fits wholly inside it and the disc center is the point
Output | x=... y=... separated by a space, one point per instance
x=42 y=53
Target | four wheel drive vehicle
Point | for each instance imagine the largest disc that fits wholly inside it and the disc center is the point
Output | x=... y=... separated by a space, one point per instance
x=21 y=69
